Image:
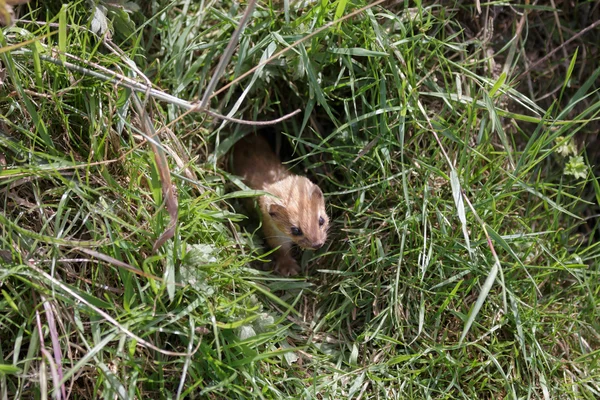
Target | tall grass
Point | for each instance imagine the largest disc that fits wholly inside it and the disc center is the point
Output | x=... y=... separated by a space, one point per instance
x=462 y=260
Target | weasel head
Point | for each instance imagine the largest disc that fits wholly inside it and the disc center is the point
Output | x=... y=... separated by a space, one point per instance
x=298 y=211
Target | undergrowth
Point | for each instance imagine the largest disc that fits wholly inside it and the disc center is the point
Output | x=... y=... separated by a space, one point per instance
x=450 y=143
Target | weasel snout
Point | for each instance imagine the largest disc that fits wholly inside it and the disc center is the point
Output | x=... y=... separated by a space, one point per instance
x=317 y=245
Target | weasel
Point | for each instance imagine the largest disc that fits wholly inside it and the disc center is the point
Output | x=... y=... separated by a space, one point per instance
x=296 y=211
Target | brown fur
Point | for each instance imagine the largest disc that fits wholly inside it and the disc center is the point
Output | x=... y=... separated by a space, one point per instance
x=296 y=201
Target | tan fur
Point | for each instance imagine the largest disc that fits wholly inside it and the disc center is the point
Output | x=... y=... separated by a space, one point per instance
x=297 y=202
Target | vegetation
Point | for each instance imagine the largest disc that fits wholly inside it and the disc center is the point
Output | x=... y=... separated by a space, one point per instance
x=456 y=143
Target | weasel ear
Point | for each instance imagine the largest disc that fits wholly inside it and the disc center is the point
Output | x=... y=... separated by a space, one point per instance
x=317 y=192
x=277 y=211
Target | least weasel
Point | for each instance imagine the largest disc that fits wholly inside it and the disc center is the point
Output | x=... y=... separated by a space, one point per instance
x=296 y=211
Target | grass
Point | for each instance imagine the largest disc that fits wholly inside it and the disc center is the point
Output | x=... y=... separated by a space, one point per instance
x=462 y=261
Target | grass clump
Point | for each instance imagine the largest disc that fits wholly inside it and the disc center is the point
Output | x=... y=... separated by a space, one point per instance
x=462 y=260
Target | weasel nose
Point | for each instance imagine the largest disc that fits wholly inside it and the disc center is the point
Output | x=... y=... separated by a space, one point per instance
x=318 y=244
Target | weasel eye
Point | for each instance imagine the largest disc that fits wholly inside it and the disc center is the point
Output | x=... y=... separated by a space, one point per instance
x=296 y=231
x=321 y=221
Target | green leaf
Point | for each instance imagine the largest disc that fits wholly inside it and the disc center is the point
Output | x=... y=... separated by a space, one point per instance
x=6 y=369
x=485 y=291
x=355 y=51
x=62 y=32
x=498 y=84
x=339 y=10
x=567 y=79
